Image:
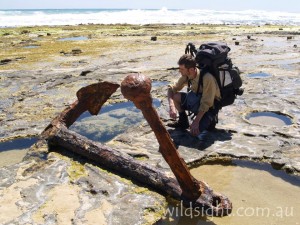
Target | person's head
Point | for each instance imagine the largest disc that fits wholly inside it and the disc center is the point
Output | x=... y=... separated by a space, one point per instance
x=187 y=65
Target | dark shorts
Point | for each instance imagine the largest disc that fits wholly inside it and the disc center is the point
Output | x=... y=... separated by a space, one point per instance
x=191 y=102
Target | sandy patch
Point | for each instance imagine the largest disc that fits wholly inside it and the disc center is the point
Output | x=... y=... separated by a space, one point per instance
x=62 y=203
x=9 y=198
x=97 y=216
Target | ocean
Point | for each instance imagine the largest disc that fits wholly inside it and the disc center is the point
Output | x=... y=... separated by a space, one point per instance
x=31 y=17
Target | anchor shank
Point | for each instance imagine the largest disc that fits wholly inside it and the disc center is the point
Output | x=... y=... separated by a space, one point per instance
x=137 y=88
x=187 y=182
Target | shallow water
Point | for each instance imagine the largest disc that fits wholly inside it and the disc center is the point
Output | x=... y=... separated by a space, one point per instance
x=259 y=193
x=269 y=119
x=112 y=120
x=32 y=46
x=13 y=151
x=259 y=75
x=157 y=83
x=80 y=38
x=280 y=42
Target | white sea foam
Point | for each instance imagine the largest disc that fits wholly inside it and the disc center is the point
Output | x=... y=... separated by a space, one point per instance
x=11 y=18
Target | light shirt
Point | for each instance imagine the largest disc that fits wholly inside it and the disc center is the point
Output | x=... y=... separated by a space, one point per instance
x=210 y=90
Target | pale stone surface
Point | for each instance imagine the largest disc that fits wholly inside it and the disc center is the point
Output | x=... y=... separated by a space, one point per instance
x=61 y=191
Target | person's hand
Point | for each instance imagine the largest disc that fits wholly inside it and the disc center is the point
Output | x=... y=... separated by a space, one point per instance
x=173 y=112
x=194 y=128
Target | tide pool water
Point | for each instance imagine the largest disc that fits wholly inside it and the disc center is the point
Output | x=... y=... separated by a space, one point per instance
x=259 y=195
x=112 y=120
x=14 y=151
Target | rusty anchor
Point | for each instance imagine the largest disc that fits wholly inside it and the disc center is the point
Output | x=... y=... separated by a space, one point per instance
x=136 y=88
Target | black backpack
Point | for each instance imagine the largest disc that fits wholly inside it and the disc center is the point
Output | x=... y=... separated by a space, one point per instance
x=213 y=57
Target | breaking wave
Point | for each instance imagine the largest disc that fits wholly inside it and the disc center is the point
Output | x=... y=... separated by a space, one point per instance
x=11 y=18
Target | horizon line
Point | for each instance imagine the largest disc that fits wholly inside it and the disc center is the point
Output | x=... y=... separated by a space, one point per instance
x=6 y=9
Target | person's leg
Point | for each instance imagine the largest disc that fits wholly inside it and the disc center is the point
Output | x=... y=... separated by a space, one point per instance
x=183 y=121
x=213 y=123
x=206 y=121
x=214 y=118
x=177 y=101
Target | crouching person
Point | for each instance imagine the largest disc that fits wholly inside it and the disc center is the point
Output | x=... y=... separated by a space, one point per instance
x=201 y=99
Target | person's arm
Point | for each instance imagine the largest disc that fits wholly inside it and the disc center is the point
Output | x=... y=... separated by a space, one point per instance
x=207 y=101
x=194 y=128
x=172 y=109
x=171 y=91
x=210 y=87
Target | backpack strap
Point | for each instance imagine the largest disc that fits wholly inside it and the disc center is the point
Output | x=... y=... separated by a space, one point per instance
x=204 y=71
x=189 y=85
x=200 y=82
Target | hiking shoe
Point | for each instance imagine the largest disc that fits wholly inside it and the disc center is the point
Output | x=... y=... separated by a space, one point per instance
x=179 y=124
x=202 y=136
x=182 y=123
x=212 y=126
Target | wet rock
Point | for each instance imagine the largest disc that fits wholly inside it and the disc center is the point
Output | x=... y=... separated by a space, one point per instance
x=233 y=39
x=6 y=34
x=67 y=77
x=76 y=51
x=237 y=43
x=154 y=38
x=48 y=34
x=82 y=62
x=248 y=37
x=295 y=46
x=24 y=42
x=20 y=58
x=289 y=38
x=25 y=32
x=280 y=29
x=85 y=72
x=59 y=189
x=5 y=61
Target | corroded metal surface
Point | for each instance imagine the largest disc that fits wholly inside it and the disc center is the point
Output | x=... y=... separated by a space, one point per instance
x=90 y=98
x=137 y=89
